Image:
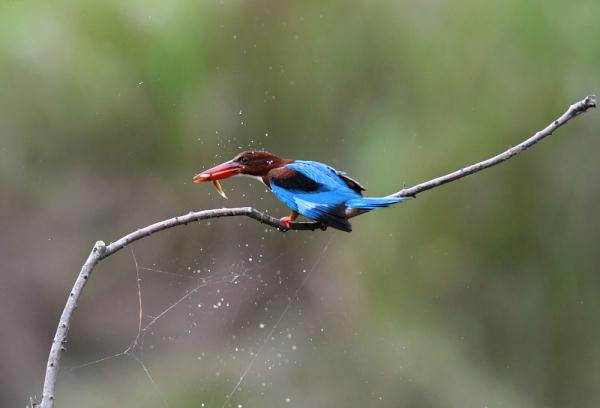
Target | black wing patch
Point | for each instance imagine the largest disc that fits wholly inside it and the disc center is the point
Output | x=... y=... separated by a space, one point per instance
x=293 y=180
x=350 y=182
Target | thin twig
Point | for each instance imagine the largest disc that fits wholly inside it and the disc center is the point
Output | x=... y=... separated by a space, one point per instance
x=102 y=251
x=574 y=110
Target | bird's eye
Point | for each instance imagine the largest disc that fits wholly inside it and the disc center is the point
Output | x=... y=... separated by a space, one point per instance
x=244 y=159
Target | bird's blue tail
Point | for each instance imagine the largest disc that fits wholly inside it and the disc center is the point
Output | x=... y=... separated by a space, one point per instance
x=370 y=203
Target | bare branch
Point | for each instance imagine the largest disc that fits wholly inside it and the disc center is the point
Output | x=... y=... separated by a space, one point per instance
x=574 y=110
x=60 y=338
x=102 y=251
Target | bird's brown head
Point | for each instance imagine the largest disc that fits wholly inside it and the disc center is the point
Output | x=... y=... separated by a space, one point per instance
x=252 y=163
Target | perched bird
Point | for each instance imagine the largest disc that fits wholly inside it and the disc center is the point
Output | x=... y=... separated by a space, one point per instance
x=313 y=189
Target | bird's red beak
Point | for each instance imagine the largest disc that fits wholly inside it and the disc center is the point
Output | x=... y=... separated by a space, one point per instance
x=222 y=171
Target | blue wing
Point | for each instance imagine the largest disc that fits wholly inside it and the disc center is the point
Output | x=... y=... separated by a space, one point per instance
x=323 y=174
x=320 y=206
x=317 y=193
x=322 y=193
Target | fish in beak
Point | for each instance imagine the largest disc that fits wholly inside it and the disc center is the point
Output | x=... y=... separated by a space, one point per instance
x=219 y=172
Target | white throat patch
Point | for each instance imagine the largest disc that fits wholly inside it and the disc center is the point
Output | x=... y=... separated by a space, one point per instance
x=259 y=178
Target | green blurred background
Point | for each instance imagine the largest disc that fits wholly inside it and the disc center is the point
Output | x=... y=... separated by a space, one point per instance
x=482 y=293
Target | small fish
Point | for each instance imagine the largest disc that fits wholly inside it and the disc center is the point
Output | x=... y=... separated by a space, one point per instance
x=219 y=189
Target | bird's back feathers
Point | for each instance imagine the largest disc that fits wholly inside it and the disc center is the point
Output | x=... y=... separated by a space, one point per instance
x=321 y=192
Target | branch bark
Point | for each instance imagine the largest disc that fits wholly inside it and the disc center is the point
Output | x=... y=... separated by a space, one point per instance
x=102 y=251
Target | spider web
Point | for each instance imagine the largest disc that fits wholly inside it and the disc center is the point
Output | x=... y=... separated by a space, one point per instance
x=237 y=273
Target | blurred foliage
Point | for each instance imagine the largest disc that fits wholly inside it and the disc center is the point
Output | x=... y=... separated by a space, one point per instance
x=480 y=293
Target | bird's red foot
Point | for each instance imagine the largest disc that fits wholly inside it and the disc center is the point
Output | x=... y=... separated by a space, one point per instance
x=286 y=221
x=323 y=226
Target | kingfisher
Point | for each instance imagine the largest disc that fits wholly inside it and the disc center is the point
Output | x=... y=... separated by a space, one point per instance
x=315 y=190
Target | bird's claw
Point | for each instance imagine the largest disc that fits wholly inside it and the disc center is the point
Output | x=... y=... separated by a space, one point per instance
x=286 y=222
